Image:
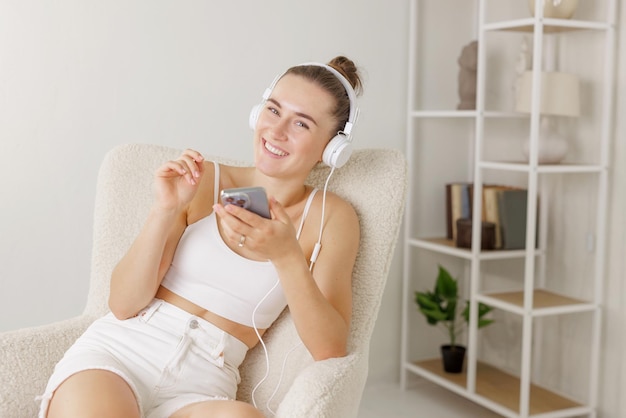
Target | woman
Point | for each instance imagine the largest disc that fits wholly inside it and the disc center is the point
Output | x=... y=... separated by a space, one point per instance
x=203 y=281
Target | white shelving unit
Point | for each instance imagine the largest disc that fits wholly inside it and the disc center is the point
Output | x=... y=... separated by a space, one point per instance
x=519 y=377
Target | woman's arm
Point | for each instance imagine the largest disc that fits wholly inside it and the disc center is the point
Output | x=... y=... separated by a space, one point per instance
x=136 y=278
x=321 y=303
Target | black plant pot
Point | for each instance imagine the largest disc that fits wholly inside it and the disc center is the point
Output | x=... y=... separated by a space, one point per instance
x=453 y=358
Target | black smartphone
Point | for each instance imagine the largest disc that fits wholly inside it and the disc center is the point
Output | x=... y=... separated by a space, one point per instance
x=253 y=199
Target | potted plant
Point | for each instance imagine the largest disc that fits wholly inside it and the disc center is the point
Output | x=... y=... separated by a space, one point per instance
x=440 y=308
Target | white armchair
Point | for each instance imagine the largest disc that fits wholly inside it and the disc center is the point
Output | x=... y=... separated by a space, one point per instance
x=374 y=181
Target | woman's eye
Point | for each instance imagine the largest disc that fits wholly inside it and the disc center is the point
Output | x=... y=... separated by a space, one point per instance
x=273 y=110
x=302 y=124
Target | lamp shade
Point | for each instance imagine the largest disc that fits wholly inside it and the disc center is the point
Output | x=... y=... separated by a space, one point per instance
x=559 y=94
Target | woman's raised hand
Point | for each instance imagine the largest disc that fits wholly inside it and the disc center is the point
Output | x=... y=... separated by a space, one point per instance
x=176 y=181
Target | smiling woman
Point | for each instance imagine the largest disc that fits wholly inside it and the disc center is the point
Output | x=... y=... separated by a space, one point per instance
x=282 y=108
x=202 y=282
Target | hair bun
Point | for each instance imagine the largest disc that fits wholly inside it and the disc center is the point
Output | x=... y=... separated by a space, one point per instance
x=349 y=70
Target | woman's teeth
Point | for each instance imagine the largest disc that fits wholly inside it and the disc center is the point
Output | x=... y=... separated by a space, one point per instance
x=274 y=150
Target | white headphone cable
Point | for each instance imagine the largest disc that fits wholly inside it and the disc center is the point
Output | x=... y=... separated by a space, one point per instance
x=318 y=244
x=315 y=253
x=258 y=334
x=280 y=379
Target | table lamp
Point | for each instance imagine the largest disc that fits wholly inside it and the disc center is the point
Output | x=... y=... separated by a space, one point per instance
x=559 y=97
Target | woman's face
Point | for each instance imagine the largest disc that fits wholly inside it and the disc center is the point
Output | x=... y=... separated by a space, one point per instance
x=293 y=128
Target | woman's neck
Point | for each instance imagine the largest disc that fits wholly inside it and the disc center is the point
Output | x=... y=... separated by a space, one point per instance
x=288 y=192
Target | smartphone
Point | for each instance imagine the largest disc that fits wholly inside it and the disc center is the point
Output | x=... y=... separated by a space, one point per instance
x=253 y=199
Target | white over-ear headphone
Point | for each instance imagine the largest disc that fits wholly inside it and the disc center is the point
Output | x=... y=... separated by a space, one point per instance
x=339 y=148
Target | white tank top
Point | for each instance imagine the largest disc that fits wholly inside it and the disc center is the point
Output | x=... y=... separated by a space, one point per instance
x=207 y=272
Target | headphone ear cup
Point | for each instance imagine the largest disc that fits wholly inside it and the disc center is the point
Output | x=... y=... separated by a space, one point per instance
x=254 y=115
x=337 y=152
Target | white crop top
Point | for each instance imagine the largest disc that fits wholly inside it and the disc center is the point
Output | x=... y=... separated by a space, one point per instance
x=207 y=272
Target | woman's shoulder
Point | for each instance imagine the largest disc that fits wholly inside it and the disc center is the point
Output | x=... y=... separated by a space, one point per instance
x=339 y=210
x=232 y=175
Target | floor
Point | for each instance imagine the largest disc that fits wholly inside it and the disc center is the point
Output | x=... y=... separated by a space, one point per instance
x=423 y=400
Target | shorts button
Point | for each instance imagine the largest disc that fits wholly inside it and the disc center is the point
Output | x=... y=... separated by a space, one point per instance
x=193 y=324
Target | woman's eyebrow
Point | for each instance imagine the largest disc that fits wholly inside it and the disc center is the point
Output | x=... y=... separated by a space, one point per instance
x=302 y=115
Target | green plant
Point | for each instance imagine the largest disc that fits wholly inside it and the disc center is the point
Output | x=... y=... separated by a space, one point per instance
x=440 y=307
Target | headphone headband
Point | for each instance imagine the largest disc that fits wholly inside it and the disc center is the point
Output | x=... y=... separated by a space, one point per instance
x=354 y=109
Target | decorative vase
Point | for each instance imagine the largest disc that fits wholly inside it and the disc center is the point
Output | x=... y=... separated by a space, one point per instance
x=556 y=9
x=453 y=358
x=552 y=147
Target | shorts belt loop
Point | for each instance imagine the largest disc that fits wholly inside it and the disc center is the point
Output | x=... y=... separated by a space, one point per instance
x=147 y=313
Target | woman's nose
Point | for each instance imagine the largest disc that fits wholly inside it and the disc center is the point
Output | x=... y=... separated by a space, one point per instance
x=279 y=129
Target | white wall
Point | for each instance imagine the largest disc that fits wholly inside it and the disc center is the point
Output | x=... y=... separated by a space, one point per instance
x=77 y=78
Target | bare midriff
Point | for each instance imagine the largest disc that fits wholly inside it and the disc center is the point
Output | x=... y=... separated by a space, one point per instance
x=239 y=331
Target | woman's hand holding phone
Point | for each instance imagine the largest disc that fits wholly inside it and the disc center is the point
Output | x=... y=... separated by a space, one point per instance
x=269 y=239
x=253 y=199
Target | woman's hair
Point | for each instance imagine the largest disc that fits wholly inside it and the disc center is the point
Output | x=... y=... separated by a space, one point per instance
x=329 y=82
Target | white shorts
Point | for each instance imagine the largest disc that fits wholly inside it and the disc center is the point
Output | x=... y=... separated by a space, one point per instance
x=168 y=357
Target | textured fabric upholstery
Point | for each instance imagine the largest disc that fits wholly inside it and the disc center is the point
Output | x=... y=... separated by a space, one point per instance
x=374 y=181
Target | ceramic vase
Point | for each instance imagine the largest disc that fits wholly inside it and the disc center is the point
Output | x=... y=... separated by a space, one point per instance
x=556 y=9
x=552 y=147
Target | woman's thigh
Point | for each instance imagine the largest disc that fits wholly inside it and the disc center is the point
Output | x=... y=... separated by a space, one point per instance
x=218 y=409
x=93 y=393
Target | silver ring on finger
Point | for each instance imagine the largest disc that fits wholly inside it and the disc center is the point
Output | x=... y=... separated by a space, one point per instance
x=242 y=240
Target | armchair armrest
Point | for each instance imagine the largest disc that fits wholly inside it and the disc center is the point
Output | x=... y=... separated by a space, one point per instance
x=27 y=358
x=323 y=388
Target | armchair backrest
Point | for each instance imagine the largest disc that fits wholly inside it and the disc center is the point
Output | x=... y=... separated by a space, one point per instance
x=373 y=180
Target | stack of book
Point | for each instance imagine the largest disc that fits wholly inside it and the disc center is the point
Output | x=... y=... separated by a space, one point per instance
x=504 y=206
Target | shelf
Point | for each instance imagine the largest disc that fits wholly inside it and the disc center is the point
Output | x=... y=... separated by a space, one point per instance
x=465 y=114
x=447 y=246
x=501 y=388
x=484 y=138
x=469 y=114
x=549 y=25
x=544 y=303
x=542 y=168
